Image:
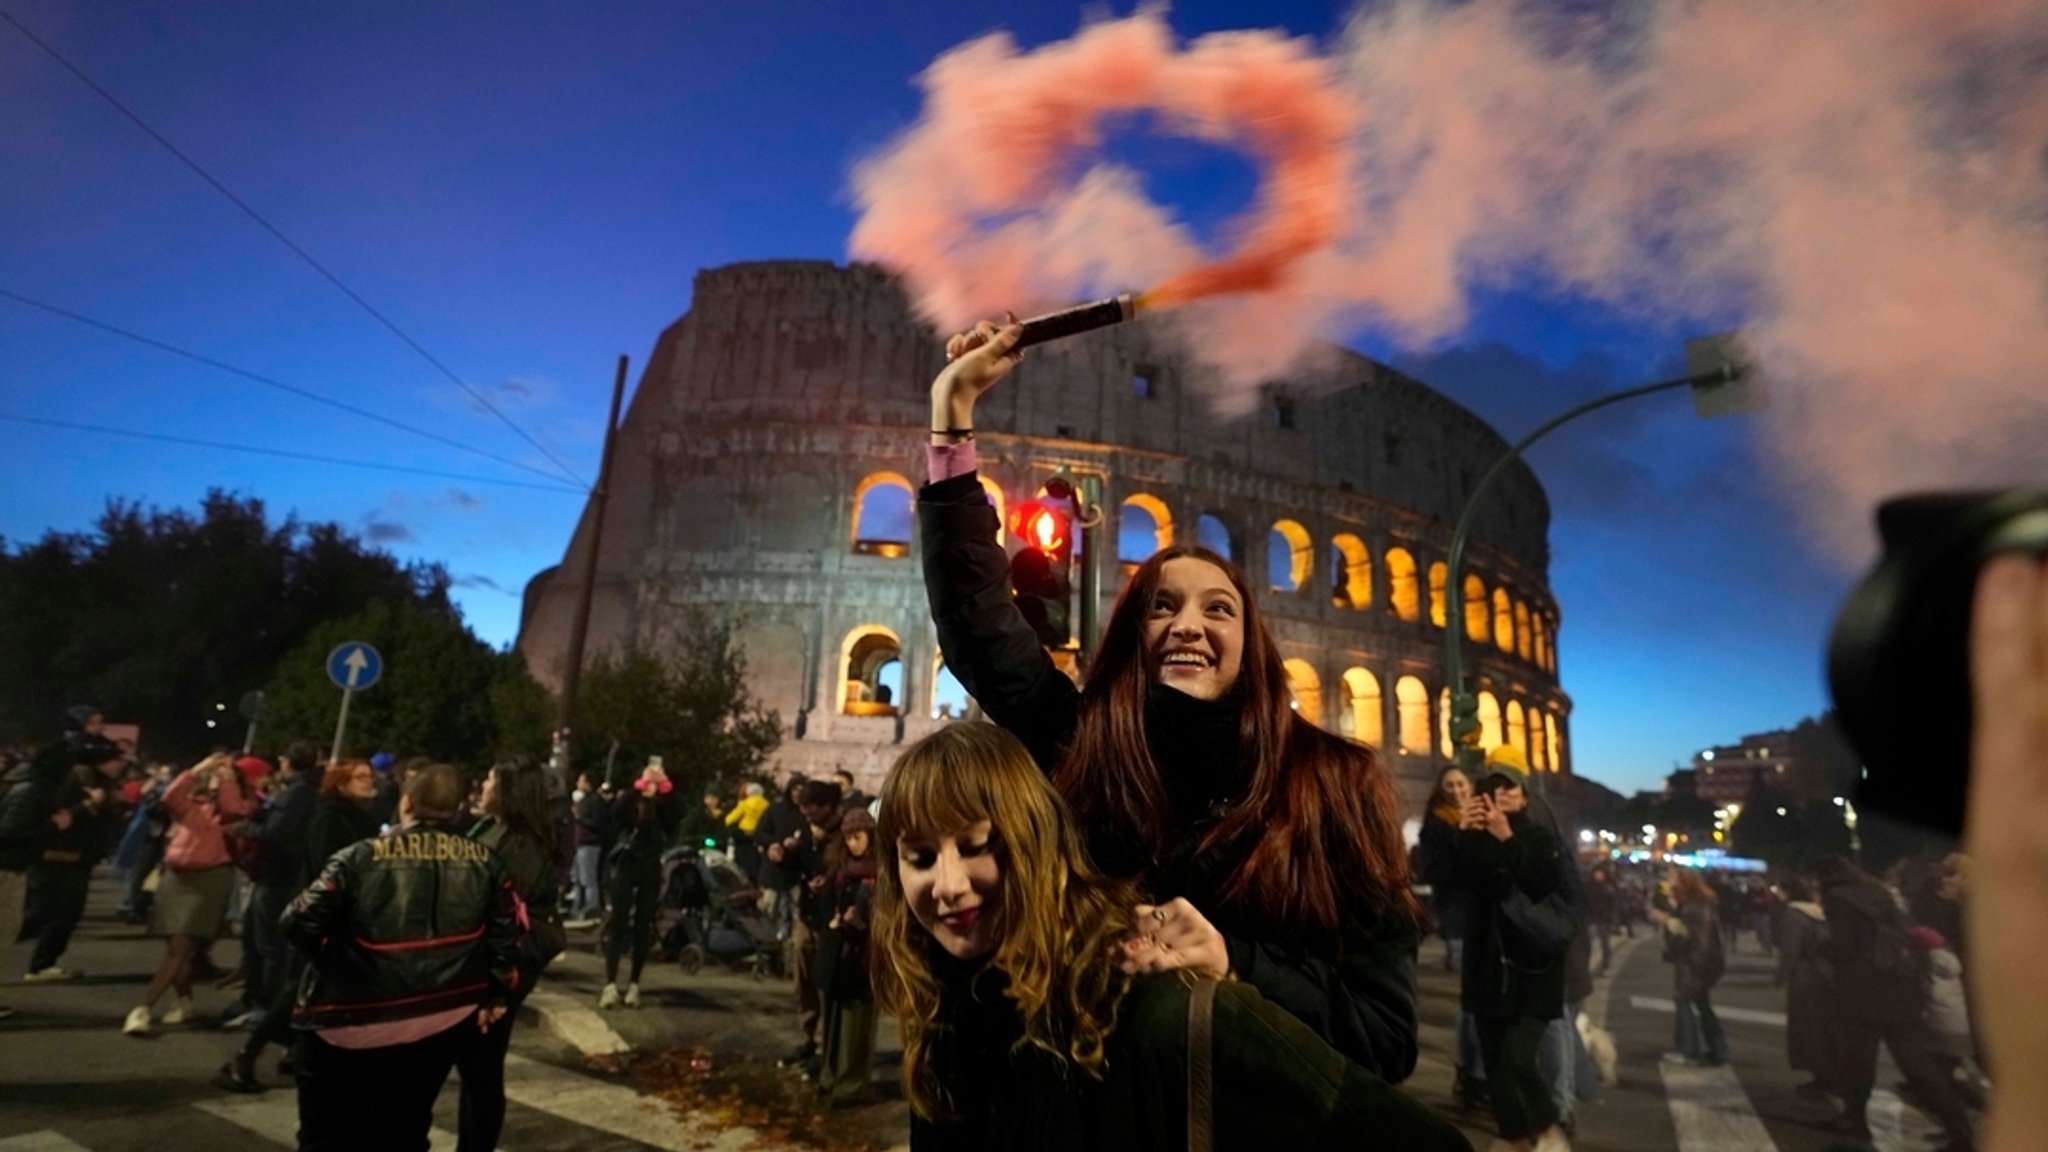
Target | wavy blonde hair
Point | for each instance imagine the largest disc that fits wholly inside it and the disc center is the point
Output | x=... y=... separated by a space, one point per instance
x=1059 y=923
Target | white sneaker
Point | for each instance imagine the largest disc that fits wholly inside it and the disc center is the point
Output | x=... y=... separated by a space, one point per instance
x=609 y=998
x=632 y=995
x=52 y=973
x=137 y=1023
x=179 y=1014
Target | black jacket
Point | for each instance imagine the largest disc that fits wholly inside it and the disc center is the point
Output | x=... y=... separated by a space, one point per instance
x=782 y=820
x=28 y=794
x=279 y=831
x=642 y=829
x=1438 y=853
x=409 y=924
x=1501 y=979
x=1274 y=1084
x=1865 y=927
x=336 y=823
x=532 y=870
x=1360 y=998
x=593 y=820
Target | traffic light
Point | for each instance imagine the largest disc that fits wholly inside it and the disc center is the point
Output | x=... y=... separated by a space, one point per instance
x=1042 y=571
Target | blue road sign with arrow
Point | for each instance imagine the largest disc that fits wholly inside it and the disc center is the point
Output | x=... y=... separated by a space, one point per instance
x=354 y=666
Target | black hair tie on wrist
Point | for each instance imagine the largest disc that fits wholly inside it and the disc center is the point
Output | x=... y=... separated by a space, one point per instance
x=959 y=434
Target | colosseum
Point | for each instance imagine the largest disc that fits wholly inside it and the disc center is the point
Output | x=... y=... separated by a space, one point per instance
x=769 y=459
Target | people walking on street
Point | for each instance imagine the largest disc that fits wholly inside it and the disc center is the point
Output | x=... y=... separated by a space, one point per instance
x=1881 y=997
x=849 y=1039
x=1452 y=902
x=1808 y=980
x=517 y=825
x=341 y=816
x=593 y=815
x=1183 y=757
x=413 y=940
x=1012 y=965
x=1697 y=948
x=808 y=862
x=1602 y=910
x=277 y=834
x=141 y=849
x=644 y=819
x=1514 y=974
x=781 y=831
x=28 y=819
x=85 y=826
x=192 y=900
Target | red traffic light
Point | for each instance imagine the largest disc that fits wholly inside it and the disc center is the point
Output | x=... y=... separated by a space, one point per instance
x=1043 y=527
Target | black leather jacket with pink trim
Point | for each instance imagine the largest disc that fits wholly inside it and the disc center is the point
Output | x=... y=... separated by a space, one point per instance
x=414 y=922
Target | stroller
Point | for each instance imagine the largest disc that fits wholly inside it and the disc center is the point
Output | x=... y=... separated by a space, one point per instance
x=719 y=917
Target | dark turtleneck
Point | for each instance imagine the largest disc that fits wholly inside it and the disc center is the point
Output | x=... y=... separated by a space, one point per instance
x=1195 y=744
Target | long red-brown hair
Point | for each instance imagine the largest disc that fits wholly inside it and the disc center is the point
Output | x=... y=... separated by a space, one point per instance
x=1318 y=828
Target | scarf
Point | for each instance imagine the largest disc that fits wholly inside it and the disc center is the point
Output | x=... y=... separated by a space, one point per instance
x=1195 y=743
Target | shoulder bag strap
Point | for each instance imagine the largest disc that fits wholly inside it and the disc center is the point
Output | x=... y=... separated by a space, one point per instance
x=1201 y=1066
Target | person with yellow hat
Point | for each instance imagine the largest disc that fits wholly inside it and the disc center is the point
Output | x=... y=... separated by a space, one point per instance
x=1513 y=978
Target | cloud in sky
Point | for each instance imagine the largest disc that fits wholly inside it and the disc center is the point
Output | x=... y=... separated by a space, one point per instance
x=377 y=529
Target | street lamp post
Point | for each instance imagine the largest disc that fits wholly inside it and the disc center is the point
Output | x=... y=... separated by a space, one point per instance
x=1722 y=375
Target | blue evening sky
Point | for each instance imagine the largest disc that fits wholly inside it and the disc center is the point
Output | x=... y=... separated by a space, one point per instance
x=527 y=189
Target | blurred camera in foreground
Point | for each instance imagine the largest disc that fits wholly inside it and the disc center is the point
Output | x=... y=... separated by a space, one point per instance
x=1899 y=660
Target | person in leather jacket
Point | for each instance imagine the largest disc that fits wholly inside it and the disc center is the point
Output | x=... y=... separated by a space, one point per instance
x=412 y=936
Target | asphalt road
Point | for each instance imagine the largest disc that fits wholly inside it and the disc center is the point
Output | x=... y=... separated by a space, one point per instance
x=581 y=1079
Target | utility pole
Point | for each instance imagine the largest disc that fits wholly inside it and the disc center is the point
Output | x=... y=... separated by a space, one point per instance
x=579 y=626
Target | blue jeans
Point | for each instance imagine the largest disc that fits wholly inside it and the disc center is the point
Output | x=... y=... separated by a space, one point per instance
x=586 y=899
x=1470 y=1060
x=1699 y=1032
x=1566 y=1064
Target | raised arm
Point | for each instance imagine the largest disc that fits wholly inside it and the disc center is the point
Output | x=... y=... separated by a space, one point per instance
x=986 y=641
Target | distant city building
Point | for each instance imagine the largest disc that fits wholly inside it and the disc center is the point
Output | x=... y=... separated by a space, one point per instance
x=1733 y=773
x=768 y=464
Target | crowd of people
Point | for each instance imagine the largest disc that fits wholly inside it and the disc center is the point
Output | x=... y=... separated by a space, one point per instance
x=1151 y=909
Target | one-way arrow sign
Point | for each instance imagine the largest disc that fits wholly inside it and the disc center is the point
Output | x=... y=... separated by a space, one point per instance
x=354 y=666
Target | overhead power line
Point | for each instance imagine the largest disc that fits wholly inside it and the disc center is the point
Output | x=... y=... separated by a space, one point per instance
x=287 y=241
x=190 y=442
x=271 y=382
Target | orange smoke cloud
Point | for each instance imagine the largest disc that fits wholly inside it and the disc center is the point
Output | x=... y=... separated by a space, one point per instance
x=1864 y=183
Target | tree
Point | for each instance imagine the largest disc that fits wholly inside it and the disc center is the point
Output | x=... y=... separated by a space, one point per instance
x=159 y=618
x=687 y=703
x=444 y=693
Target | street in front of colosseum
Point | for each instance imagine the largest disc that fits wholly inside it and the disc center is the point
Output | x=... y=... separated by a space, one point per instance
x=508 y=508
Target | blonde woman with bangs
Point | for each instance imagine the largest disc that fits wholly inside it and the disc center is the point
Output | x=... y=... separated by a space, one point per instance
x=1004 y=954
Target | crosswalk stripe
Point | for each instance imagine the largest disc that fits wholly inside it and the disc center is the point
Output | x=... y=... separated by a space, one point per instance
x=1740 y=1015
x=575 y=1023
x=1896 y=1126
x=1711 y=1111
x=41 y=1142
x=619 y=1110
x=275 y=1116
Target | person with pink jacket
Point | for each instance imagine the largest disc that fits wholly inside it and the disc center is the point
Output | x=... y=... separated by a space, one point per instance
x=198 y=877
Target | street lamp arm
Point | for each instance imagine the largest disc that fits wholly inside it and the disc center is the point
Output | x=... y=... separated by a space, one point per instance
x=1454 y=666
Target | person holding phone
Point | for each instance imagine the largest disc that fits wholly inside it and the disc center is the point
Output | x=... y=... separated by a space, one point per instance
x=1511 y=986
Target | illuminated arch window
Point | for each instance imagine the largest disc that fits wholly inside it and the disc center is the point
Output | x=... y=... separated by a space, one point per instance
x=1350 y=572
x=1489 y=719
x=881 y=516
x=1475 y=608
x=1550 y=645
x=1211 y=533
x=1402 y=593
x=1307 y=688
x=1412 y=701
x=1437 y=576
x=1552 y=740
x=1361 y=717
x=1523 y=641
x=1539 y=748
x=1290 y=557
x=1503 y=621
x=1443 y=725
x=949 y=697
x=1144 y=527
x=1518 y=727
x=871 y=660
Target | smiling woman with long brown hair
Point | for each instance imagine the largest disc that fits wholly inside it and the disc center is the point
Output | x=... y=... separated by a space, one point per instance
x=1270 y=849
x=1002 y=951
